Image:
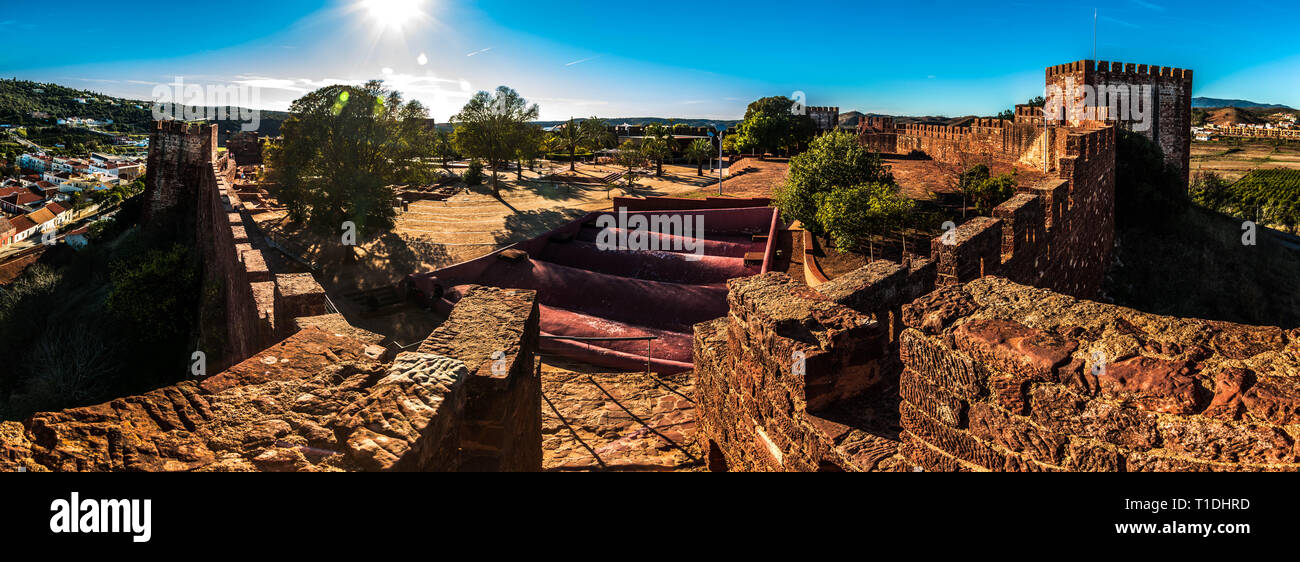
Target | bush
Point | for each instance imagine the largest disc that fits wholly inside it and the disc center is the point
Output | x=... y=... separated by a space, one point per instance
x=852 y=215
x=474 y=175
x=985 y=191
x=833 y=161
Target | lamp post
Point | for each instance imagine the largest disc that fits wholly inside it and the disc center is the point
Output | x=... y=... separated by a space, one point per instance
x=719 y=135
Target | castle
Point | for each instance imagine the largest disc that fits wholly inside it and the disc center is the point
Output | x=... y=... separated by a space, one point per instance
x=984 y=355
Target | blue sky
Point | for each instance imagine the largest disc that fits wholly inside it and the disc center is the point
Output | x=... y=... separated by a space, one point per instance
x=665 y=58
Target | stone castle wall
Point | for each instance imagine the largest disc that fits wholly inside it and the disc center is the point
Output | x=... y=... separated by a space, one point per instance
x=319 y=401
x=259 y=306
x=999 y=376
x=770 y=375
x=983 y=138
x=1171 y=118
x=826 y=118
x=180 y=155
x=761 y=409
x=1057 y=234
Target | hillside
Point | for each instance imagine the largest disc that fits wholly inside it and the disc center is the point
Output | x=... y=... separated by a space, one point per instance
x=725 y=123
x=1161 y=269
x=35 y=104
x=1232 y=116
x=1219 y=102
x=22 y=102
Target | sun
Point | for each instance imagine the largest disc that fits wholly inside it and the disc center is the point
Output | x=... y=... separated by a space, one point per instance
x=394 y=14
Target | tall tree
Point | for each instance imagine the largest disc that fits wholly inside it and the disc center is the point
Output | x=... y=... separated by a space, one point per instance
x=527 y=147
x=772 y=125
x=659 y=144
x=490 y=127
x=588 y=134
x=342 y=147
x=854 y=215
x=444 y=148
x=630 y=157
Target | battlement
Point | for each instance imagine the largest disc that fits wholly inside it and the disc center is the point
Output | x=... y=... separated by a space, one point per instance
x=1056 y=234
x=1003 y=377
x=323 y=401
x=878 y=123
x=1121 y=71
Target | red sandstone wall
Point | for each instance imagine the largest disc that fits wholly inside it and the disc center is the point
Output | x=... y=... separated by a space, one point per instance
x=320 y=401
x=984 y=138
x=1057 y=234
x=495 y=333
x=1172 y=87
x=258 y=306
x=760 y=409
x=1000 y=376
x=179 y=155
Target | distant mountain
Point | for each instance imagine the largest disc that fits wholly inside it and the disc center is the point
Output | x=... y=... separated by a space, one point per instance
x=1218 y=102
x=37 y=104
x=1223 y=116
x=647 y=120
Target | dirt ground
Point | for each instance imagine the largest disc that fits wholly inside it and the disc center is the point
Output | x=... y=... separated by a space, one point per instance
x=1234 y=158
x=598 y=421
x=924 y=179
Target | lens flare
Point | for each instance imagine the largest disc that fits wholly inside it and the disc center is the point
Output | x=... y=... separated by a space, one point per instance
x=394 y=14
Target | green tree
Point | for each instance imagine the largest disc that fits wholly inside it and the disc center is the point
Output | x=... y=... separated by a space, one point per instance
x=771 y=125
x=575 y=136
x=444 y=148
x=630 y=157
x=527 y=147
x=991 y=192
x=834 y=160
x=658 y=145
x=699 y=152
x=474 y=173
x=342 y=147
x=491 y=125
x=1210 y=190
x=150 y=293
x=854 y=215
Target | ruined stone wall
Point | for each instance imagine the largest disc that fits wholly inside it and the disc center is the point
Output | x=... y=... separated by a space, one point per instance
x=496 y=335
x=1170 y=119
x=1057 y=234
x=180 y=155
x=994 y=139
x=318 y=401
x=999 y=376
x=758 y=410
x=773 y=375
x=258 y=306
x=246 y=148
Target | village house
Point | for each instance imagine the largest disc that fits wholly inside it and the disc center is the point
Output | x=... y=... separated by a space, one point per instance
x=19 y=200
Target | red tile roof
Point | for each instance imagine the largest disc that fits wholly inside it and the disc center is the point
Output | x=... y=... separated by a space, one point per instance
x=22 y=223
x=56 y=208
